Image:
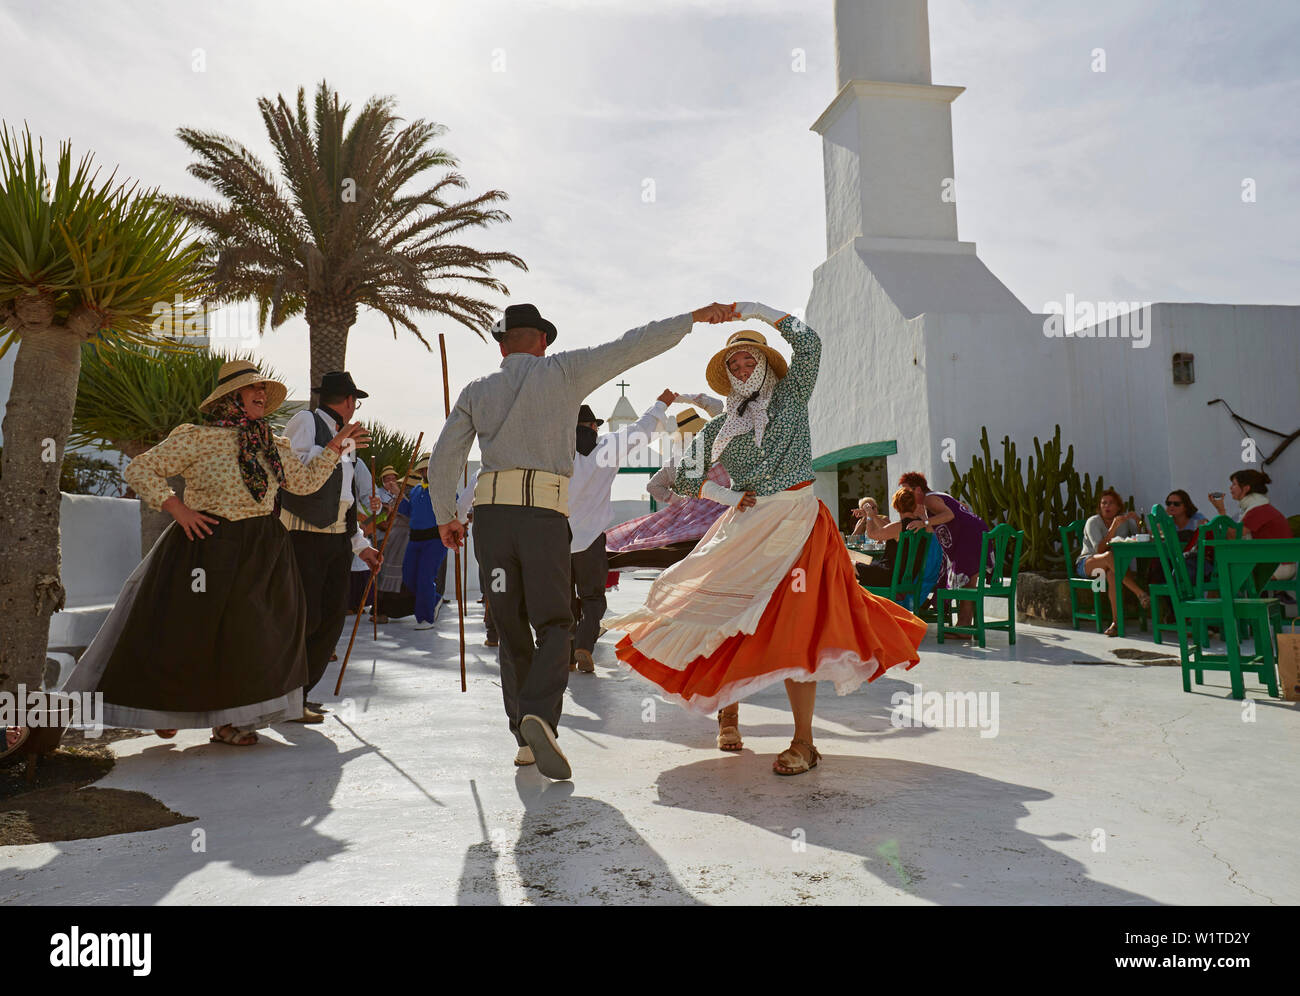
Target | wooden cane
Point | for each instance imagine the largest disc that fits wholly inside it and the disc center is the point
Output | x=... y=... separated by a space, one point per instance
x=374 y=615
x=460 y=596
x=401 y=493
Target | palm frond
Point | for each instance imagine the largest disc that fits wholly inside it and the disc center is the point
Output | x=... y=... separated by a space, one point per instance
x=296 y=245
x=106 y=249
x=131 y=395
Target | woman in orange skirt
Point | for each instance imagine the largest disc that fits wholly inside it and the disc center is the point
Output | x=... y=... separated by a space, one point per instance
x=769 y=594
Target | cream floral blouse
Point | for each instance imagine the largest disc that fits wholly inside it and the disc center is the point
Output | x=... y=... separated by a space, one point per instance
x=208 y=458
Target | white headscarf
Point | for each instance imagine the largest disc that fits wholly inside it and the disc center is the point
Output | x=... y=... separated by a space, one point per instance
x=760 y=387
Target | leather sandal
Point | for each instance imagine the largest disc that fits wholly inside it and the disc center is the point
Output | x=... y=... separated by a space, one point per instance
x=729 y=729
x=791 y=762
x=235 y=737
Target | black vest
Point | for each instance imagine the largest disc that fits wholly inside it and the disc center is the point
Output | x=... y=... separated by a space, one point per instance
x=321 y=507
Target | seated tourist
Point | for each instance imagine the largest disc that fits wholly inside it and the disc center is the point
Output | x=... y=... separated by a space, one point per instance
x=1259 y=517
x=1188 y=521
x=1099 y=531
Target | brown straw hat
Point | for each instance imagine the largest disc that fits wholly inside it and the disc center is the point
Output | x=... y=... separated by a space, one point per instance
x=716 y=372
x=689 y=420
x=241 y=373
x=413 y=477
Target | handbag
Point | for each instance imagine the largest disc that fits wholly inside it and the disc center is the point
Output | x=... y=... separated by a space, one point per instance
x=1288 y=664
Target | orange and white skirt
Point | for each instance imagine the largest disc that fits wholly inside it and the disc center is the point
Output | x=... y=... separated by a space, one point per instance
x=769 y=594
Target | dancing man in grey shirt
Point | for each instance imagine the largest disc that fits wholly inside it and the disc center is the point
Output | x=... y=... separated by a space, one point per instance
x=523 y=416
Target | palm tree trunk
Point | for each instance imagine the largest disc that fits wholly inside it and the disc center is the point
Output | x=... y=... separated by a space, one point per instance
x=328 y=326
x=36 y=426
x=152 y=523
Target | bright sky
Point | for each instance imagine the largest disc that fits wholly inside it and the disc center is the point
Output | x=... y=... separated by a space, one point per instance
x=1122 y=185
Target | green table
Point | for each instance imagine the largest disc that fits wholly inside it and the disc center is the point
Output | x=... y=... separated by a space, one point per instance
x=1124 y=552
x=1236 y=560
x=1234 y=563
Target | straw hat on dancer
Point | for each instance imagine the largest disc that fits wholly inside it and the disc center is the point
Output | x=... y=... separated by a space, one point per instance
x=769 y=594
x=208 y=629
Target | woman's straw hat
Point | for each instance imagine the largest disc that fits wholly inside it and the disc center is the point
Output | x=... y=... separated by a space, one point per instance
x=413 y=478
x=689 y=420
x=716 y=372
x=241 y=373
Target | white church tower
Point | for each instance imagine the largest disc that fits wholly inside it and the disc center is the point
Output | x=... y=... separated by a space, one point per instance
x=907 y=312
x=922 y=346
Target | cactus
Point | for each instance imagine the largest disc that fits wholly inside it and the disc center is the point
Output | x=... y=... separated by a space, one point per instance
x=1039 y=496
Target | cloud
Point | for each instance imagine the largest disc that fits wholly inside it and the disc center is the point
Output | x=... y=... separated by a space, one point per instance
x=1119 y=185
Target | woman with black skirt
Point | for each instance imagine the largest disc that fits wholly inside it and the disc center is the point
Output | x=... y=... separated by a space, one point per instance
x=208 y=629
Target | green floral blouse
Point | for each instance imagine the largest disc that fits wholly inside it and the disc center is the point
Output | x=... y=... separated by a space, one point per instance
x=785 y=458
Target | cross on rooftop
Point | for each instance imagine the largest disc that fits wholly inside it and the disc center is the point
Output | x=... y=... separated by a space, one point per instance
x=624 y=385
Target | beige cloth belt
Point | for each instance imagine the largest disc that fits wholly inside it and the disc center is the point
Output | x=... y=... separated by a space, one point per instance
x=535 y=488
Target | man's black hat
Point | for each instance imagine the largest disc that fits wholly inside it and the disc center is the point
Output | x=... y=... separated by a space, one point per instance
x=340 y=382
x=524 y=316
x=585 y=414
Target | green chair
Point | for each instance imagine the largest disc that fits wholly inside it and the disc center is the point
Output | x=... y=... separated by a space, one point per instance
x=990 y=583
x=909 y=567
x=1192 y=612
x=1071 y=540
x=1216 y=528
x=1202 y=586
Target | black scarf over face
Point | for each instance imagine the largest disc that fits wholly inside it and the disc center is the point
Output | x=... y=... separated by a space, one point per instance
x=586 y=439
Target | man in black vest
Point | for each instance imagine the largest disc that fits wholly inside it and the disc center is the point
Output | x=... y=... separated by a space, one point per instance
x=323 y=526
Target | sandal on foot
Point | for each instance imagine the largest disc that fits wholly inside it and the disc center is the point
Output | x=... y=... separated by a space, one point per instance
x=792 y=762
x=229 y=735
x=165 y=734
x=729 y=729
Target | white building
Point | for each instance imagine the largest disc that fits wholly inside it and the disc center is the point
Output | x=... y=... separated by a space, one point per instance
x=923 y=345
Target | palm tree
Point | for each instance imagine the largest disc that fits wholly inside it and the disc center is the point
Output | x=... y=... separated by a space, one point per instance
x=387 y=446
x=341 y=232
x=131 y=396
x=80 y=261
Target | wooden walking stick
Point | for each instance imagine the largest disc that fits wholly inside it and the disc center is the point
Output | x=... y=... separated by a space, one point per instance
x=460 y=596
x=401 y=493
x=374 y=614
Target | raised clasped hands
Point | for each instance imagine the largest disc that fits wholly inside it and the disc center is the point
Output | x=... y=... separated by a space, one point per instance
x=716 y=314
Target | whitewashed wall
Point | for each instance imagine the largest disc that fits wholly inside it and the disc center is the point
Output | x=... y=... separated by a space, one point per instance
x=1154 y=435
x=871 y=384
x=99 y=540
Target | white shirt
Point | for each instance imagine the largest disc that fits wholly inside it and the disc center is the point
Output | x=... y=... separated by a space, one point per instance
x=590 y=508
x=301 y=432
x=465 y=497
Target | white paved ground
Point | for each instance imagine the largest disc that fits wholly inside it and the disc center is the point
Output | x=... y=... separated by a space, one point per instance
x=1105 y=784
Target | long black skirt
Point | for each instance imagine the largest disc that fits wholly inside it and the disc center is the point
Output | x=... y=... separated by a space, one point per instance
x=205 y=632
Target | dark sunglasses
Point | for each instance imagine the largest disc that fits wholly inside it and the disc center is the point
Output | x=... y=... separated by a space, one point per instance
x=1171 y=501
